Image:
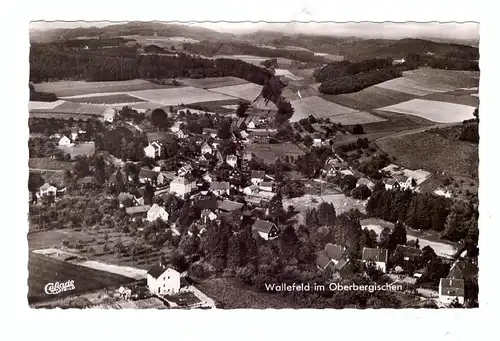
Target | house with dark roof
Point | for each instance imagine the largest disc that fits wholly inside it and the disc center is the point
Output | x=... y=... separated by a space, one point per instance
x=265 y=229
x=87 y=182
x=407 y=253
x=210 y=132
x=334 y=259
x=148 y=176
x=256 y=177
x=228 y=206
x=376 y=255
x=391 y=183
x=461 y=269
x=267 y=186
x=137 y=210
x=182 y=185
x=163 y=280
x=125 y=200
x=220 y=188
x=451 y=289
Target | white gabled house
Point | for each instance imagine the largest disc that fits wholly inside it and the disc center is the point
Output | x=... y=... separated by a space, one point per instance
x=47 y=189
x=378 y=256
x=451 y=289
x=163 y=280
x=206 y=149
x=157 y=212
x=65 y=141
x=153 y=150
x=266 y=229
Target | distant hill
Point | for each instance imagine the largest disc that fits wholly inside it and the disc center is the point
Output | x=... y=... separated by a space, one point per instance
x=132 y=28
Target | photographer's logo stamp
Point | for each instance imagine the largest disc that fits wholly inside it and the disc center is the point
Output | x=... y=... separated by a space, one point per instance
x=57 y=288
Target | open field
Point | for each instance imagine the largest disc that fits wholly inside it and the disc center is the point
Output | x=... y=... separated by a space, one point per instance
x=79 y=149
x=178 y=96
x=320 y=108
x=248 y=91
x=212 y=82
x=451 y=97
x=440 y=112
x=434 y=153
x=370 y=98
x=271 y=152
x=452 y=78
x=35 y=105
x=340 y=201
x=44 y=270
x=442 y=248
x=74 y=88
x=413 y=87
x=49 y=164
x=105 y=99
x=317 y=107
x=360 y=117
x=286 y=73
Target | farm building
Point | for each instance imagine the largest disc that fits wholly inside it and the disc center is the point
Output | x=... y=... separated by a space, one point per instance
x=153 y=150
x=451 y=289
x=47 y=189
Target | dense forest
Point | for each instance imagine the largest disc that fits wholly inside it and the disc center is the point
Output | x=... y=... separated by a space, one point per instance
x=50 y=62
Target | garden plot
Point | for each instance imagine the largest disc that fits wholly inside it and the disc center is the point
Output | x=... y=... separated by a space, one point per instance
x=248 y=91
x=413 y=87
x=178 y=96
x=440 y=112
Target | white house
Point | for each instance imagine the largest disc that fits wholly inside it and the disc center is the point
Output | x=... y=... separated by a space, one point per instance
x=163 y=280
x=451 y=288
x=176 y=127
x=251 y=125
x=266 y=186
x=65 y=141
x=184 y=170
x=366 y=182
x=182 y=185
x=251 y=190
x=378 y=256
x=109 y=115
x=181 y=134
x=153 y=150
x=232 y=160
x=257 y=177
x=48 y=189
x=206 y=149
x=157 y=212
x=266 y=229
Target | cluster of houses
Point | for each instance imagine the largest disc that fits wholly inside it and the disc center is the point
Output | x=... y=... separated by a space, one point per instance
x=334 y=260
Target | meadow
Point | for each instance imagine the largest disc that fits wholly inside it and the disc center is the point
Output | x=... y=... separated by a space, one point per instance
x=248 y=91
x=451 y=78
x=434 y=153
x=436 y=111
x=106 y=99
x=270 y=152
x=178 y=96
x=413 y=87
x=212 y=82
x=43 y=270
x=76 y=88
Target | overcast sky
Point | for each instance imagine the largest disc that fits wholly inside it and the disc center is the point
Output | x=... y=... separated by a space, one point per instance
x=362 y=29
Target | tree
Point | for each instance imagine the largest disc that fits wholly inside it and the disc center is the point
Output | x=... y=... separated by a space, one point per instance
x=178 y=261
x=275 y=207
x=397 y=236
x=159 y=119
x=81 y=167
x=385 y=237
x=148 y=194
x=100 y=170
x=242 y=109
x=361 y=192
x=308 y=141
x=326 y=214
x=224 y=129
x=348 y=182
x=358 y=129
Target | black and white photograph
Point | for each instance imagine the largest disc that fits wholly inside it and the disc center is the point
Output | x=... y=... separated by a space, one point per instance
x=226 y=165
